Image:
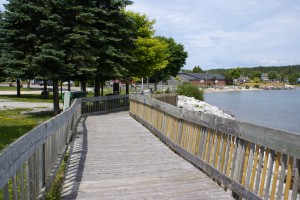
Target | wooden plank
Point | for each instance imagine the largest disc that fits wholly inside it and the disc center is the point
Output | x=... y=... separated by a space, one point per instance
x=254 y=168
x=5 y=192
x=22 y=185
x=227 y=155
x=259 y=168
x=234 y=166
x=269 y=175
x=263 y=176
x=206 y=152
x=245 y=163
x=288 y=178
x=231 y=156
x=216 y=147
x=296 y=180
x=282 y=177
x=203 y=142
x=14 y=187
x=275 y=175
x=250 y=166
x=222 y=153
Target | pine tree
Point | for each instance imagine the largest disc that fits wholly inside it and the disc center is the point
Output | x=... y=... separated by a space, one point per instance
x=19 y=38
x=79 y=18
x=115 y=41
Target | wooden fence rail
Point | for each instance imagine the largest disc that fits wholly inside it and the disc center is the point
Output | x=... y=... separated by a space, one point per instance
x=28 y=166
x=255 y=162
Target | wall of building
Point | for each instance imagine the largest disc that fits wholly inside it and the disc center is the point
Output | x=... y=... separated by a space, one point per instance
x=209 y=82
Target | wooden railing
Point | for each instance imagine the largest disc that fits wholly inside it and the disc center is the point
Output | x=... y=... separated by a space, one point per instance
x=28 y=166
x=255 y=162
x=170 y=98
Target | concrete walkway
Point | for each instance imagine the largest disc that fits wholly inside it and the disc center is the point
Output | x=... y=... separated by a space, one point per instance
x=115 y=157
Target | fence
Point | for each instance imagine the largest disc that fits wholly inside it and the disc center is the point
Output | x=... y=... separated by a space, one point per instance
x=254 y=162
x=28 y=166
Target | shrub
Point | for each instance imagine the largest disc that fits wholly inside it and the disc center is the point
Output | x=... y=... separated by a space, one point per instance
x=247 y=87
x=256 y=86
x=190 y=91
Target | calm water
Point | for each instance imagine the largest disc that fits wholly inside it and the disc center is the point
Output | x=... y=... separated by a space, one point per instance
x=278 y=109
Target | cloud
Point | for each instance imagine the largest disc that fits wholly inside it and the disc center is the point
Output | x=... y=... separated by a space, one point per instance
x=231 y=32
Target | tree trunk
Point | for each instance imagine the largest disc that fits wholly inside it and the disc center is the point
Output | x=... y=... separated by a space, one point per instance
x=97 y=87
x=155 y=84
x=69 y=85
x=102 y=86
x=127 y=88
x=55 y=97
x=28 y=83
x=83 y=85
x=18 y=88
x=45 y=89
x=61 y=83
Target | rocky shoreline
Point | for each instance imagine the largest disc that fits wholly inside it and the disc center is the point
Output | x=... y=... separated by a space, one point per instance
x=193 y=104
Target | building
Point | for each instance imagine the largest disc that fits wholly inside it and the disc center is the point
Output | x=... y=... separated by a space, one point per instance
x=203 y=79
x=264 y=77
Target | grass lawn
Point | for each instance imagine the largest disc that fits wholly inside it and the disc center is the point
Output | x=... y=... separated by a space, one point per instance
x=28 y=98
x=6 y=88
x=13 y=124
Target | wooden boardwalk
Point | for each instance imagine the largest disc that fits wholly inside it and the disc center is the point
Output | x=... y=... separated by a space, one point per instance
x=115 y=157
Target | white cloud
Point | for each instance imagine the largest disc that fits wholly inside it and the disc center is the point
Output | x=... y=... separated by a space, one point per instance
x=230 y=33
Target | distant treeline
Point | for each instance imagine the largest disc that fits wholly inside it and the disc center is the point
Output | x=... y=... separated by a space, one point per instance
x=289 y=73
x=283 y=71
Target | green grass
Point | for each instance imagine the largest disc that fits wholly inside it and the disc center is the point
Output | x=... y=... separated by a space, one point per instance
x=13 y=124
x=55 y=190
x=7 y=88
x=28 y=98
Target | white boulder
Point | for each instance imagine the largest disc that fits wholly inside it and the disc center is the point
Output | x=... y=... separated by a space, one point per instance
x=191 y=103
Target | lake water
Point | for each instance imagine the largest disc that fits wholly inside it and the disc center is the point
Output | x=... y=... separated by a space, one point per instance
x=279 y=109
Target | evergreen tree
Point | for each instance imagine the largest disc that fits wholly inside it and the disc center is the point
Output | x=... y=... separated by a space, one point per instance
x=114 y=43
x=19 y=38
x=79 y=17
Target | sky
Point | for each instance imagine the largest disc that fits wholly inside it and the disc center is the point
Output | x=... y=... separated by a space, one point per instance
x=228 y=33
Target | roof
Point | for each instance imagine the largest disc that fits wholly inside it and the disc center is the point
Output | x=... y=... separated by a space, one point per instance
x=198 y=76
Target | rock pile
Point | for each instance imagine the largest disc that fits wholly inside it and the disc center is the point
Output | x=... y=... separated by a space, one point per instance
x=191 y=103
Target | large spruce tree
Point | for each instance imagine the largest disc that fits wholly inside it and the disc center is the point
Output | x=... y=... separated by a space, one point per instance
x=115 y=42
x=19 y=38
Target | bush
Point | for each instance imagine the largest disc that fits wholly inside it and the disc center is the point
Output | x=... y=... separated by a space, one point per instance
x=256 y=86
x=190 y=91
x=247 y=87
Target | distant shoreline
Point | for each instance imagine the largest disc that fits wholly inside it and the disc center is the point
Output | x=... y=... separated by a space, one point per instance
x=241 y=89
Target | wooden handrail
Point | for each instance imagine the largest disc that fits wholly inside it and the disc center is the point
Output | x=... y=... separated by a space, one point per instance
x=255 y=162
x=28 y=165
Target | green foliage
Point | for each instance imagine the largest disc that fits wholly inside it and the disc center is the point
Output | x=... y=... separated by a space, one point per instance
x=256 y=86
x=292 y=78
x=55 y=190
x=255 y=74
x=190 y=90
x=236 y=73
x=256 y=80
x=273 y=75
x=247 y=87
x=197 y=69
x=176 y=60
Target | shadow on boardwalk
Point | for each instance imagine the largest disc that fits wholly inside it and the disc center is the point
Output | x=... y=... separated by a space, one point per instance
x=76 y=162
x=115 y=157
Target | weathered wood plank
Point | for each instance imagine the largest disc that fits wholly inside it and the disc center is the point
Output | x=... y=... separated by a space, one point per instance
x=129 y=162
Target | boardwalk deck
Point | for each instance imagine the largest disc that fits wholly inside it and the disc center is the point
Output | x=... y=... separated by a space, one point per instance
x=115 y=157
